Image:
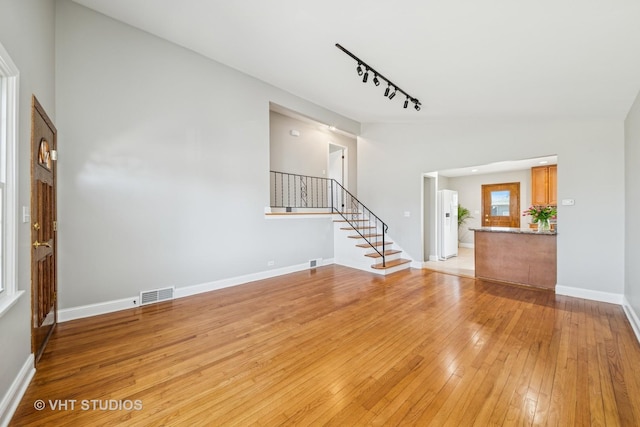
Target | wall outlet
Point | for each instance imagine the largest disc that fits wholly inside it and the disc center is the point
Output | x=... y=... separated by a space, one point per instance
x=270 y=263
x=568 y=202
x=407 y=214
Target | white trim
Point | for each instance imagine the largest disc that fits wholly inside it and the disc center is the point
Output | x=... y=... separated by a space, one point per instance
x=8 y=301
x=240 y=280
x=633 y=317
x=467 y=245
x=89 y=310
x=11 y=82
x=589 y=294
x=13 y=396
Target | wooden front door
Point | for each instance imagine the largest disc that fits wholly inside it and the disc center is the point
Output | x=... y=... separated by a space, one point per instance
x=501 y=205
x=43 y=229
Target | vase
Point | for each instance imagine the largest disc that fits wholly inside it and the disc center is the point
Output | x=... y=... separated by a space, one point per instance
x=543 y=225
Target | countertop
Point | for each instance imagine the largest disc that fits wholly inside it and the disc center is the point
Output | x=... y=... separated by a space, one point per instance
x=514 y=230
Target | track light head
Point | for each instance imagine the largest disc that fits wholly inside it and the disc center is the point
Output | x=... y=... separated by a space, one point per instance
x=363 y=69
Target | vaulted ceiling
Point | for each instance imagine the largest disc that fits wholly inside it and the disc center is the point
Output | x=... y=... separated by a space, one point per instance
x=479 y=59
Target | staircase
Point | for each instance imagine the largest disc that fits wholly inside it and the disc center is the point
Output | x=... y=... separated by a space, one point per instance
x=361 y=246
x=360 y=236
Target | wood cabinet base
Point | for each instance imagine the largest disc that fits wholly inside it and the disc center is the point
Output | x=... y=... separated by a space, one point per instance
x=525 y=259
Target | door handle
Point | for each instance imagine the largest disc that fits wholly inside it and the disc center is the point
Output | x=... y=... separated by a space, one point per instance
x=37 y=244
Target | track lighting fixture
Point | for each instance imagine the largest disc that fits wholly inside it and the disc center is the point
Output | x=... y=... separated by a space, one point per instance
x=376 y=80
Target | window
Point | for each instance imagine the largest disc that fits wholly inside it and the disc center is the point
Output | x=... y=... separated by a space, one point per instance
x=500 y=203
x=8 y=185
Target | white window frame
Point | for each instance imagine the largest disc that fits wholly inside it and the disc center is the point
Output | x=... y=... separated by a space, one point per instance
x=9 y=90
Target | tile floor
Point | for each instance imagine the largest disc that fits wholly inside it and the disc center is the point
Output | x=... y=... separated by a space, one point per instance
x=461 y=265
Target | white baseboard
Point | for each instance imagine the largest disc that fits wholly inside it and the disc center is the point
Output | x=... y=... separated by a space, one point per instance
x=12 y=398
x=417 y=264
x=240 y=280
x=591 y=295
x=633 y=317
x=466 y=245
x=89 y=310
x=433 y=258
x=80 y=312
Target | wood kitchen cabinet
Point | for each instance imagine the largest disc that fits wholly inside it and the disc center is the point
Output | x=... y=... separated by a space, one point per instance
x=544 y=185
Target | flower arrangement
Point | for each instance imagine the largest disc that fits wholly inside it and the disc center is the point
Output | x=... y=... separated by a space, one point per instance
x=541 y=213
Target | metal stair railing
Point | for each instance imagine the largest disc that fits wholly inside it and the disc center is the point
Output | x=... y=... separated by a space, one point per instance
x=310 y=192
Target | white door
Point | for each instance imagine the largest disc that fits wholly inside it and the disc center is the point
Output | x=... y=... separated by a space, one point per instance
x=448 y=235
x=336 y=164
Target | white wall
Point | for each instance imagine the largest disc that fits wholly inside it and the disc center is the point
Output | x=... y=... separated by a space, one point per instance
x=27 y=33
x=469 y=190
x=591 y=155
x=632 y=207
x=307 y=154
x=164 y=166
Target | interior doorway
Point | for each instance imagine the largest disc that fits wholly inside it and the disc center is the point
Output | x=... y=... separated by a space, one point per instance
x=338 y=167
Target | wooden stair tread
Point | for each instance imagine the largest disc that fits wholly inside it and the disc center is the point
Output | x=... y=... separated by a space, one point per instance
x=353 y=220
x=390 y=264
x=358 y=227
x=368 y=236
x=378 y=243
x=386 y=253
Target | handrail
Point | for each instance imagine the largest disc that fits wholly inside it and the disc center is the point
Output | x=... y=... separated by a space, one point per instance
x=310 y=192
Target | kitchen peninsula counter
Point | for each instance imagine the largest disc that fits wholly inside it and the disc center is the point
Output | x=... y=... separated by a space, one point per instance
x=516 y=255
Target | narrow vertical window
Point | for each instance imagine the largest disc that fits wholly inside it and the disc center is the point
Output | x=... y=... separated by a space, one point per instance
x=8 y=185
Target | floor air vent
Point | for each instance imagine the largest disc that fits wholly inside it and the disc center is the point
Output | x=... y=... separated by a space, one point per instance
x=313 y=263
x=157 y=295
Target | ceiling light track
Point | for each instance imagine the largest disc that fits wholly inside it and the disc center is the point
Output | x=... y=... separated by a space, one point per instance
x=377 y=77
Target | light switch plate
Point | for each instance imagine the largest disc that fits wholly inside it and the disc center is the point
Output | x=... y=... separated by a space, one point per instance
x=26 y=215
x=568 y=202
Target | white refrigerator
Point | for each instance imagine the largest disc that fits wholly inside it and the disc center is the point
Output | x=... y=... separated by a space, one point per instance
x=447 y=224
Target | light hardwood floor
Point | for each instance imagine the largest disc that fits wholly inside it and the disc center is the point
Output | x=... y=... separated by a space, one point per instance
x=343 y=347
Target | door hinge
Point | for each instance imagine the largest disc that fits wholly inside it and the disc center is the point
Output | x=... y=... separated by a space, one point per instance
x=54 y=154
x=55 y=225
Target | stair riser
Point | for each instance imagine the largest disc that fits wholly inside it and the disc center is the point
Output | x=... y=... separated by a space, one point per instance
x=393 y=269
x=378 y=261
